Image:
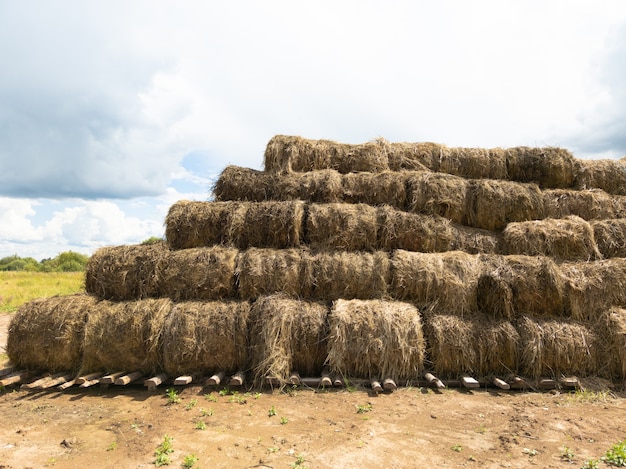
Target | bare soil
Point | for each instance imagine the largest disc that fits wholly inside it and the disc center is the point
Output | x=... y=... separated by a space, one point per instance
x=121 y=427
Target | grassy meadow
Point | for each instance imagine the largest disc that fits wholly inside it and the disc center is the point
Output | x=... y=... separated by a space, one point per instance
x=17 y=288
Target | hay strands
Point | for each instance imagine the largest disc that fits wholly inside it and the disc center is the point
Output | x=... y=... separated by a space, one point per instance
x=15 y=377
x=155 y=381
x=128 y=378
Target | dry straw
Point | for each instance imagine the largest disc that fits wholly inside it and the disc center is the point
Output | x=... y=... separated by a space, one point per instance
x=587 y=204
x=440 y=282
x=610 y=236
x=349 y=227
x=608 y=175
x=614 y=335
x=438 y=194
x=554 y=348
x=375 y=339
x=548 y=167
x=287 y=335
x=565 y=239
x=47 y=334
x=125 y=272
x=124 y=336
x=199 y=274
x=205 y=337
x=388 y=187
x=478 y=345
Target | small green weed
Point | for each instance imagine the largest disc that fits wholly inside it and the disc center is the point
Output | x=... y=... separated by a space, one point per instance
x=206 y=412
x=299 y=462
x=163 y=452
x=271 y=412
x=530 y=452
x=362 y=409
x=210 y=397
x=591 y=464
x=457 y=448
x=567 y=454
x=616 y=456
x=191 y=404
x=189 y=461
x=284 y=421
x=200 y=425
x=112 y=446
x=172 y=396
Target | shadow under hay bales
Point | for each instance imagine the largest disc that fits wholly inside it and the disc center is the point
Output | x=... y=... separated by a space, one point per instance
x=375 y=339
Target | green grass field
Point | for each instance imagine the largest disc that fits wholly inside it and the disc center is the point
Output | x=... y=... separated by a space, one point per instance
x=17 y=288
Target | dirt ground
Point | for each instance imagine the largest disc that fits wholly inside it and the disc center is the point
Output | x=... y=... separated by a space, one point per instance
x=122 y=427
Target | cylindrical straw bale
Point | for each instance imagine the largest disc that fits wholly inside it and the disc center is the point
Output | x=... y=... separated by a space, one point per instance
x=476 y=240
x=610 y=236
x=439 y=282
x=438 y=194
x=244 y=184
x=548 y=167
x=388 y=187
x=125 y=272
x=376 y=339
x=608 y=175
x=492 y=203
x=415 y=156
x=205 y=337
x=587 y=204
x=555 y=348
x=199 y=274
x=347 y=275
x=564 y=239
x=287 y=335
x=124 y=336
x=262 y=272
x=349 y=227
x=614 y=334
x=47 y=334
x=276 y=225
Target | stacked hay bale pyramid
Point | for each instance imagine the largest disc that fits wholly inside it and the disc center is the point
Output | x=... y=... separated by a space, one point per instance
x=378 y=260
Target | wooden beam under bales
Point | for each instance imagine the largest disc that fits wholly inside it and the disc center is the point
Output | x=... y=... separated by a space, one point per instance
x=128 y=378
x=155 y=381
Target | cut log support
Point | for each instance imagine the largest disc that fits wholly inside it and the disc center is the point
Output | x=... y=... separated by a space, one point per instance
x=155 y=381
x=128 y=378
x=501 y=383
x=338 y=382
x=237 y=379
x=90 y=382
x=547 y=384
x=376 y=386
x=14 y=378
x=110 y=379
x=326 y=381
x=66 y=385
x=569 y=382
x=519 y=383
x=56 y=380
x=294 y=379
x=389 y=385
x=434 y=381
x=36 y=383
x=216 y=379
x=89 y=377
x=469 y=382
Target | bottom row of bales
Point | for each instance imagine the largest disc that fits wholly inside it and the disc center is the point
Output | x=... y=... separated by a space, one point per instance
x=276 y=335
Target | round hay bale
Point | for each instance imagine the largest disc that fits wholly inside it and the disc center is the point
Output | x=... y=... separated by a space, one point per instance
x=594 y=287
x=479 y=345
x=438 y=282
x=375 y=339
x=198 y=274
x=388 y=187
x=124 y=336
x=564 y=239
x=262 y=272
x=608 y=175
x=610 y=236
x=347 y=275
x=493 y=204
x=244 y=184
x=205 y=337
x=592 y=204
x=125 y=272
x=47 y=334
x=557 y=348
x=438 y=194
x=349 y=227
x=287 y=335
x=548 y=167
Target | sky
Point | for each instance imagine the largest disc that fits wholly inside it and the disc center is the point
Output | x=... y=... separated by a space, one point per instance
x=112 y=110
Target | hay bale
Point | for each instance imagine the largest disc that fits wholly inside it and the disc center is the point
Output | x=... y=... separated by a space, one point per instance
x=124 y=336
x=287 y=335
x=565 y=239
x=592 y=204
x=476 y=240
x=375 y=339
x=438 y=194
x=347 y=275
x=440 y=282
x=244 y=184
x=205 y=337
x=262 y=272
x=47 y=334
x=614 y=337
x=555 y=348
x=594 y=287
x=276 y=225
x=494 y=295
x=388 y=187
x=548 y=167
x=198 y=274
x=288 y=153
x=610 y=236
x=478 y=345
x=493 y=204
x=125 y=272
x=349 y=227
x=608 y=175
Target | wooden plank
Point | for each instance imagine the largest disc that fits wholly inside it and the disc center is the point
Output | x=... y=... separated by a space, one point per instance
x=91 y=382
x=569 y=382
x=294 y=378
x=237 y=379
x=376 y=386
x=389 y=385
x=434 y=381
x=338 y=382
x=183 y=380
x=110 y=379
x=66 y=385
x=56 y=380
x=89 y=377
x=128 y=378
x=155 y=381
x=469 y=382
x=518 y=382
x=501 y=383
x=216 y=379
x=14 y=378
x=36 y=383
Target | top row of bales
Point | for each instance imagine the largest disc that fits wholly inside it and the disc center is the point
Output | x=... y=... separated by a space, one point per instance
x=549 y=167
